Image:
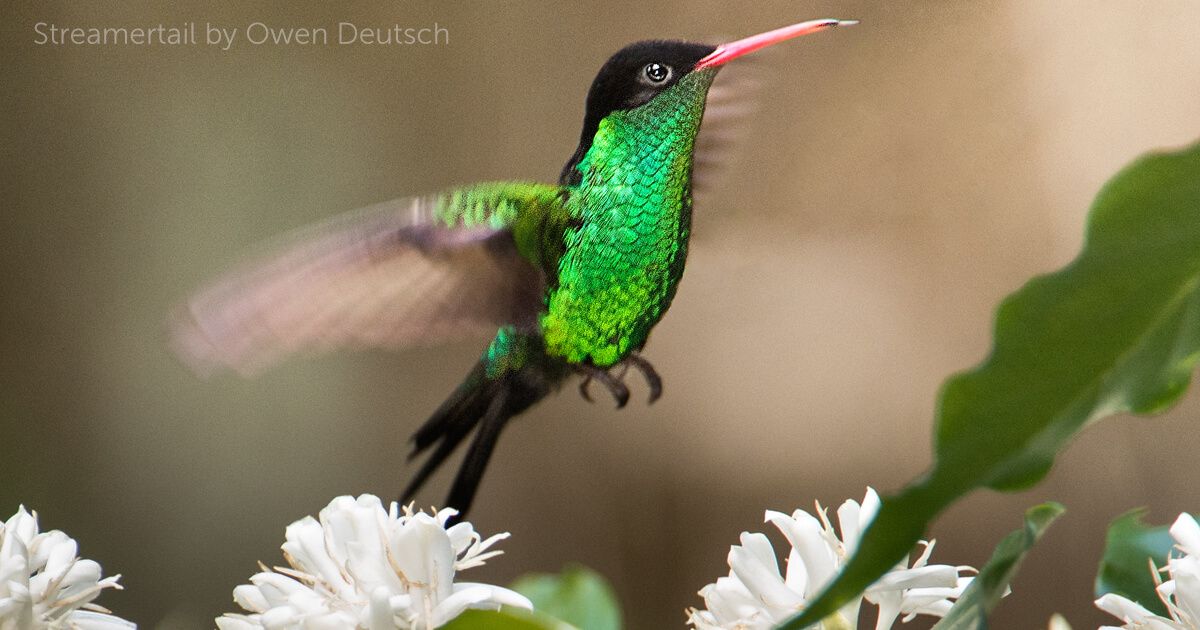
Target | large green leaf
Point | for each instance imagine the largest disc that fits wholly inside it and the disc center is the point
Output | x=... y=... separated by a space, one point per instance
x=1128 y=549
x=1116 y=330
x=578 y=596
x=980 y=598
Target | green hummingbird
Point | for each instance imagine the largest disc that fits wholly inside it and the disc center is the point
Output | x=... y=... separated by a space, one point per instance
x=573 y=275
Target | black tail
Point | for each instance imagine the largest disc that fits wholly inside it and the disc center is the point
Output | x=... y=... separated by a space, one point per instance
x=486 y=401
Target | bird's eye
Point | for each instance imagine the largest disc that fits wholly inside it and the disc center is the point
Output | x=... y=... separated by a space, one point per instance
x=656 y=72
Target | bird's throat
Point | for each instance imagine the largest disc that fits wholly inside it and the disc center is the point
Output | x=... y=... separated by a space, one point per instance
x=624 y=260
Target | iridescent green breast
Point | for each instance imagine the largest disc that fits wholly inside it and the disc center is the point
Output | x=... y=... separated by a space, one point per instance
x=626 y=248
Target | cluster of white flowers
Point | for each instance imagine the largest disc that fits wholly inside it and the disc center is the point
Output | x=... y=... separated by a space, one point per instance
x=755 y=596
x=45 y=585
x=1181 y=593
x=365 y=567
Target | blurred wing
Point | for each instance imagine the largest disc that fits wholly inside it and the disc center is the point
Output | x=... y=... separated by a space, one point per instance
x=730 y=104
x=399 y=273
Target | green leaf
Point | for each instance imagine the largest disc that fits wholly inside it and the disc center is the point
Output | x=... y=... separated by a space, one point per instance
x=980 y=598
x=578 y=596
x=1128 y=549
x=1117 y=330
x=506 y=619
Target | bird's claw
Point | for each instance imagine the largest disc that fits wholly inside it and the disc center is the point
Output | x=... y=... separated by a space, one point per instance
x=583 y=388
x=653 y=380
x=616 y=384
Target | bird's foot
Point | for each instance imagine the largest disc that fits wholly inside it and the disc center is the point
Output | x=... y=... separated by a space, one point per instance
x=616 y=384
x=648 y=372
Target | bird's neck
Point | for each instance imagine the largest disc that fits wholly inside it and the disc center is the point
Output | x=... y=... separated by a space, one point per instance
x=640 y=160
x=647 y=148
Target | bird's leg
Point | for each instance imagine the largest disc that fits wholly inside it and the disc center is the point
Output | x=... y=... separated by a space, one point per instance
x=648 y=371
x=583 y=388
x=615 y=386
x=624 y=365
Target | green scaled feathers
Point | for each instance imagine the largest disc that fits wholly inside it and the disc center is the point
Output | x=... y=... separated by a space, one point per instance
x=533 y=211
x=494 y=204
x=510 y=351
x=631 y=215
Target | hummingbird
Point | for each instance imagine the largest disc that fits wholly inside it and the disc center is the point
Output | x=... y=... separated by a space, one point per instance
x=570 y=278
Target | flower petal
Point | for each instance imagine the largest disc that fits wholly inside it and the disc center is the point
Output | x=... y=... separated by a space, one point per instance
x=89 y=620
x=936 y=576
x=805 y=534
x=499 y=595
x=1186 y=532
x=761 y=578
x=1120 y=606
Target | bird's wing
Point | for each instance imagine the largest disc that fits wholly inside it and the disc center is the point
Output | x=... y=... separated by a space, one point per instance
x=723 y=130
x=399 y=273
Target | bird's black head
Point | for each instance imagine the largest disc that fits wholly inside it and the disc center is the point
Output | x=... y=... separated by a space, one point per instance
x=631 y=78
x=639 y=72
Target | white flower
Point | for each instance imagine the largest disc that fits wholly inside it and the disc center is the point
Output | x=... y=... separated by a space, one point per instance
x=363 y=567
x=1181 y=593
x=44 y=584
x=756 y=597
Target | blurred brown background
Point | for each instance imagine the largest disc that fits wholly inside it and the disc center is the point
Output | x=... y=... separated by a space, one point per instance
x=904 y=176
